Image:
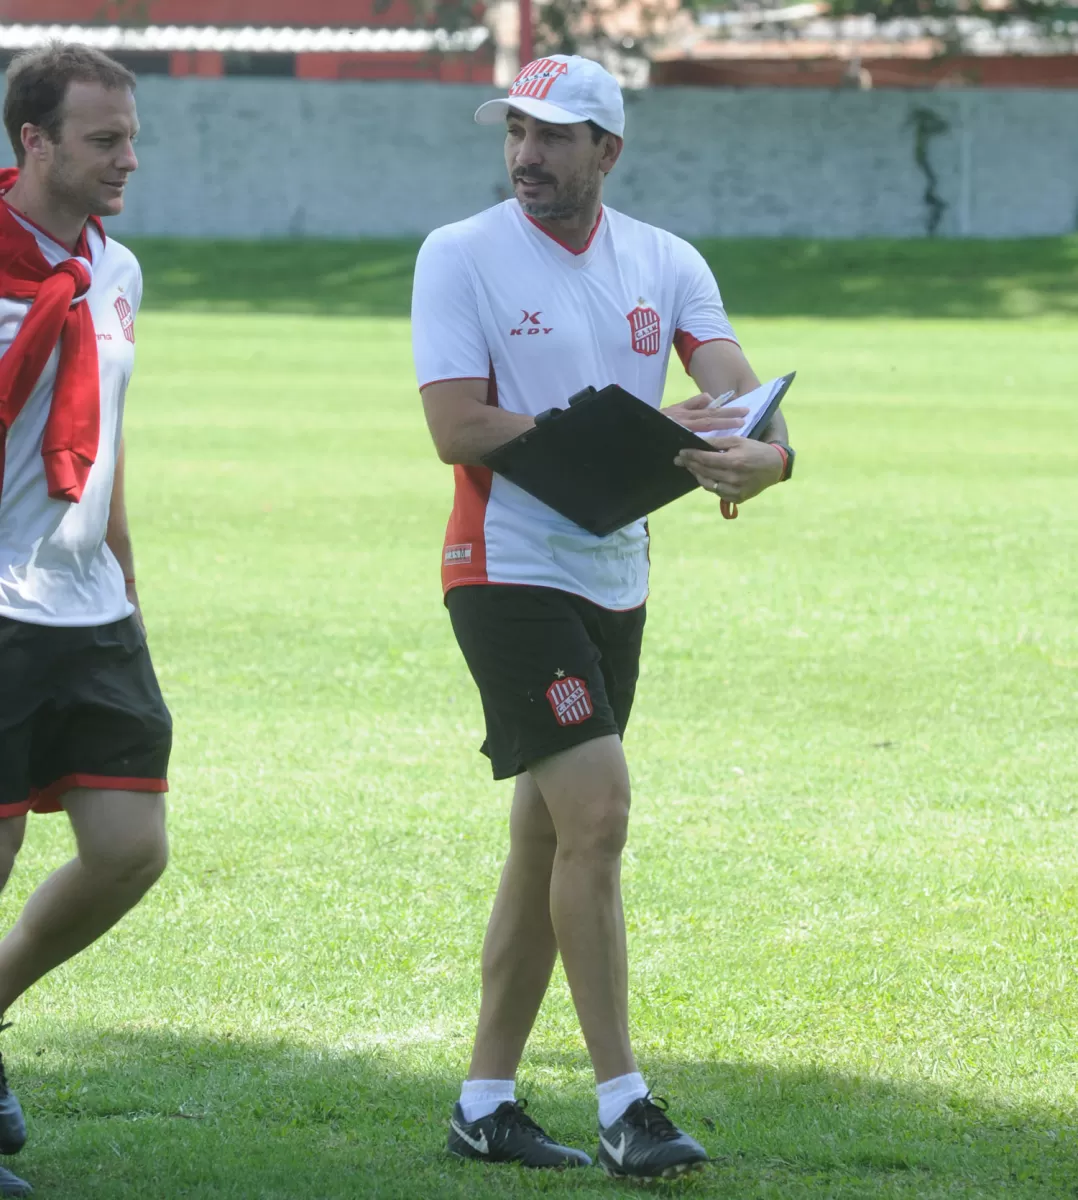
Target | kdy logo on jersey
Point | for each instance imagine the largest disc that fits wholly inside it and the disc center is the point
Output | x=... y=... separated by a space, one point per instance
x=570 y=700
x=537 y=78
x=127 y=318
x=530 y=324
x=646 y=328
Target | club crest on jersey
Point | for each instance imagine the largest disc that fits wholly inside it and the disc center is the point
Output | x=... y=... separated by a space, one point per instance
x=537 y=78
x=127 y=318
x=646 y=328
x=570 y=700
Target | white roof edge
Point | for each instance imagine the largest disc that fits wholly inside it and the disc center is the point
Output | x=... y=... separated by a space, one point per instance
x=251 y=39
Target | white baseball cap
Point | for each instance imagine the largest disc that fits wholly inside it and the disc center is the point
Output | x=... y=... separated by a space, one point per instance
x=562 y=89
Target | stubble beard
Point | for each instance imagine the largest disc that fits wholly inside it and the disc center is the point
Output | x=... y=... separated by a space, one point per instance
x=578 y=197
x=71 y=193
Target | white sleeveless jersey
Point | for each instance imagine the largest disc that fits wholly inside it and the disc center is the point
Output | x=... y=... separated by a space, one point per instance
x=55 y=568
x=498 y=298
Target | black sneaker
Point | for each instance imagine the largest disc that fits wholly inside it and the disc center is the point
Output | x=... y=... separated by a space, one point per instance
x=509 y=1135
x=643 y=1143
x=12 y=1185
x=12 y=1122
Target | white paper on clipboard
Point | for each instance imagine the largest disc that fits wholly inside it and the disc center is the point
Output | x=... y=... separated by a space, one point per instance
x=760 y=402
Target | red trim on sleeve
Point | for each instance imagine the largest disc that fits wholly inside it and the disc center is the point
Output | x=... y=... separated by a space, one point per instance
x=454 y=379
x=686 y=345
x=47 y=799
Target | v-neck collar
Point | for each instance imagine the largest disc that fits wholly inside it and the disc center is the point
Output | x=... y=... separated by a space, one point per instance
x=561 y=250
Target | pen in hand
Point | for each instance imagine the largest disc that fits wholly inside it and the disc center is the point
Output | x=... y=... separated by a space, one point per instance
x=719 y=401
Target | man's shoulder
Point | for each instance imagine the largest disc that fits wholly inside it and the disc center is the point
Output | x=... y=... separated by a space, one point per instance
x=644 y=235
x=473 y=231
x=121 y=257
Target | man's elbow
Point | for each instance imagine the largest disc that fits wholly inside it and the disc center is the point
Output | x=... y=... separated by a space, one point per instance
x=447 y=448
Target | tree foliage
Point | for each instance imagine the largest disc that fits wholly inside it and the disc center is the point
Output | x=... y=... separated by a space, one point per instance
x=573 y=26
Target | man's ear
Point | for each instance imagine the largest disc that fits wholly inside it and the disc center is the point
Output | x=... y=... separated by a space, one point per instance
x=35 y=141
x=612 y=148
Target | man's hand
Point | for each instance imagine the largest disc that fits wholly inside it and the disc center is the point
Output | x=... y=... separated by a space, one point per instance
x=694 y=414
x=737 y=469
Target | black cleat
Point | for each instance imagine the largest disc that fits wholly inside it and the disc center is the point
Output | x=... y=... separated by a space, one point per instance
x=643 y=1143
x=12 y=1122
x=12 y=1185
x=509 y=1135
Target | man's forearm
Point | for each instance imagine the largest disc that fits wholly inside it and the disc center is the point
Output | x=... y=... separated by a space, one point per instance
x=118 y=540
x=775 y=430
x=117 y=534
x=481 y=432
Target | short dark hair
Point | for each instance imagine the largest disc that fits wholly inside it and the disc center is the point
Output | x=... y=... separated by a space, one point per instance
x=37 y=83
x=597 y=132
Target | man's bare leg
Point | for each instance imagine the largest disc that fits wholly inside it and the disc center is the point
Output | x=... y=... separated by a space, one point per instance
x=586 y=790
x=12 y=832
x=518 y=957
x=122 y=851
x=520 y=948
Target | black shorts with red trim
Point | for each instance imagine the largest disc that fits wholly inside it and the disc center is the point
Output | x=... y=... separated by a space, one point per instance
x=553 y=669
x=79 y=707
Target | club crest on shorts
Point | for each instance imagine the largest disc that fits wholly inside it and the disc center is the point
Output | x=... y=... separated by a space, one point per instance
x=570 y=700
x=537 y=78
x=646 y=326
x=127 y=318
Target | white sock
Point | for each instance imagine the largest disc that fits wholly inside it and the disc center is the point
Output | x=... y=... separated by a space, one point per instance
x=480 y=1097
x=617 y=1094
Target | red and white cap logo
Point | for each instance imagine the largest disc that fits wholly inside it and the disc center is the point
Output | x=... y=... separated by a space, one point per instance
x=537 y=78
x=561 y=89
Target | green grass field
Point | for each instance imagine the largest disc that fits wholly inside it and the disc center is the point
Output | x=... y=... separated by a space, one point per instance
x=852 y=883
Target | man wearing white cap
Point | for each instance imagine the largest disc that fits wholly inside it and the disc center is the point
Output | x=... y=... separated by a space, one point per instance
x=514 y=311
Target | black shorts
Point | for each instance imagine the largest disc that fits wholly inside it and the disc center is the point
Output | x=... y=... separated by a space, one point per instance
x=79 y=707
x=553 y=669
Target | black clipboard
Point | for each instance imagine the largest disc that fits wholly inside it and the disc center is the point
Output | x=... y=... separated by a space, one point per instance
x=608 y=459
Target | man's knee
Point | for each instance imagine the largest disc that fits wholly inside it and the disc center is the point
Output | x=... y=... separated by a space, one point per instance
x=125 y=844
x=12 y=832
x=587 y=792
x=137 y=861
x=599 y=826
x=600 y=832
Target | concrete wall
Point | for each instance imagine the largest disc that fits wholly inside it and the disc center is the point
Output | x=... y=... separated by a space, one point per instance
x=267 y=158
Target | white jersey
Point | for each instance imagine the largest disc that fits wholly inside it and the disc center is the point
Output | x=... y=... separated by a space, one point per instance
x=55 y=568
x=496 y=297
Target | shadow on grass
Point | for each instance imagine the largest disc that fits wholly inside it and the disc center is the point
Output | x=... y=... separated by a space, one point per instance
x=773 y=278
x=128 y=1113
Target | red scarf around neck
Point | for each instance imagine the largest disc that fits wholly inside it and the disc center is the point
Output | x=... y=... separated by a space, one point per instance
x=73 y=428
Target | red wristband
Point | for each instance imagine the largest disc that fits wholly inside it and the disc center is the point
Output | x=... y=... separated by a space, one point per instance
x=785 y=458
x=129 y=582
x=728 y=508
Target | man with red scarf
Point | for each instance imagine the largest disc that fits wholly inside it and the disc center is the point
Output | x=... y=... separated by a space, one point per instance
x=83 y=726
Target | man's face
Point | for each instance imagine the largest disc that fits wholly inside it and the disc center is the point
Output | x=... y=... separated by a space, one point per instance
x=87 y=168
x=556 y=170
